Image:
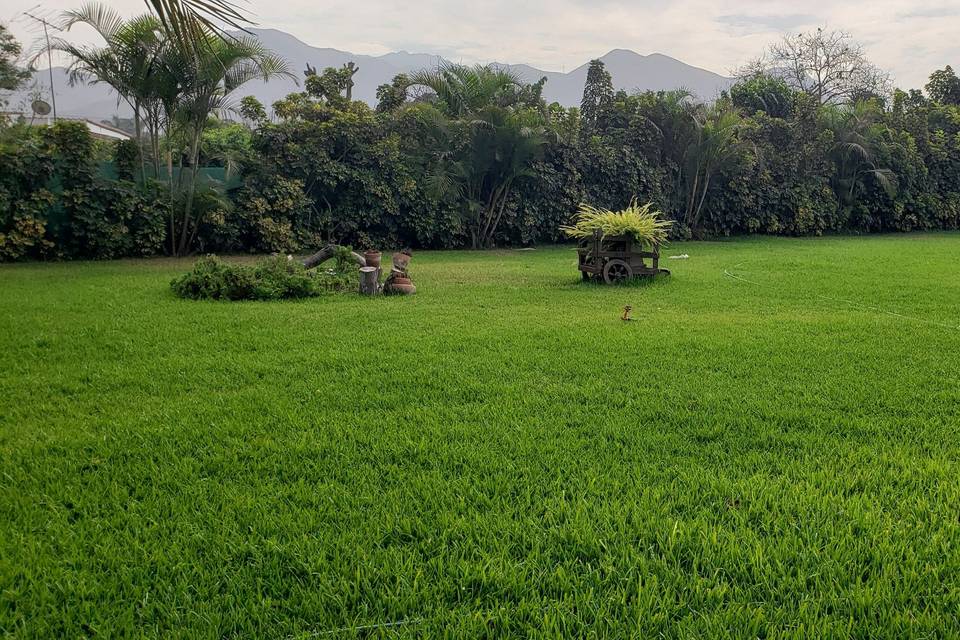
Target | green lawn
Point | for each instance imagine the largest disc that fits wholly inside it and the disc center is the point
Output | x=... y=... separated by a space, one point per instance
x=772 y=449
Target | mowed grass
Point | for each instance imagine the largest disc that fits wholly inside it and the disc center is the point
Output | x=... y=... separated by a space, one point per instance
x=771 y=449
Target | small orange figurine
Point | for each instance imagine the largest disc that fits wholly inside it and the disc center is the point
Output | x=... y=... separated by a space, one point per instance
x=626 y=313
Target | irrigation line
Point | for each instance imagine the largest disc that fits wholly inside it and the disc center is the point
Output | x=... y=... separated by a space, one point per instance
x=889 y=313
x=363 y=627
x=851 y=303
x=736 y=277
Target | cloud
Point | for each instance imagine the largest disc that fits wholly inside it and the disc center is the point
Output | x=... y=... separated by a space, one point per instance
x=763 y=23
x=932 y=12
x=908 y=40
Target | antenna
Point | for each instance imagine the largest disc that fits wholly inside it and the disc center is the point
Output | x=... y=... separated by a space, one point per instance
x=46 y=35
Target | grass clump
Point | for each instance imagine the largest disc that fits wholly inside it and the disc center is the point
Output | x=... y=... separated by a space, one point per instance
x=642 y=222
x=274 y=278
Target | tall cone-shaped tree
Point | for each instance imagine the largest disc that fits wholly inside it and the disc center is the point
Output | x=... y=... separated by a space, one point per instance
x=597 y=99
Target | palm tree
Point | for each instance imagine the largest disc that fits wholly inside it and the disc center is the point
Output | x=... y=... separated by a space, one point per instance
x=857 y=130
x=207 y=77
x=672 y=116
x=127 y=61
x=695 y=142
x=462 y=89
x=713 y=147
x=487 y=133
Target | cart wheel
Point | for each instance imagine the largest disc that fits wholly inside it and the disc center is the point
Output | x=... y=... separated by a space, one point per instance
x=616 y=272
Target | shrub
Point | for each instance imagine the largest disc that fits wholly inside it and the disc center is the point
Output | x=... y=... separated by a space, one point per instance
x=112 y=219
x=150 y=205
x=274 y=278
x=23 y=235
x=126 y=158
x=644 y=225
x=278 y=278
x=213 y=279
x=54 y=204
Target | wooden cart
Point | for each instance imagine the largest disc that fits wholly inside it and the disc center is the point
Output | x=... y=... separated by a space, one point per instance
x=617 y=259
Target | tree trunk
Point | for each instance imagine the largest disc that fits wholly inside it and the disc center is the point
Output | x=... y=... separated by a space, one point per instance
x=173 y=202
x=504 y=197
x=138 y=128
x=703 y=196
x=489 y=214
x=155 y=146
x=369 y=281
x=191 y=192
x=692 y=197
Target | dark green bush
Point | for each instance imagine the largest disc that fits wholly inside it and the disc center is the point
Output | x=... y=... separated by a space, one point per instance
x=274 y=278
x=278 y=278
x=55 y=204
x=213 y=279
x=126 y=158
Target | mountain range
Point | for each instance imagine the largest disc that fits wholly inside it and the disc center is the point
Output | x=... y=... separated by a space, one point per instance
x=630 y=71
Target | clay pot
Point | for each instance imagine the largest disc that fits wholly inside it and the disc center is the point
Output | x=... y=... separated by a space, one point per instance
x=402 y=289
x=400 y=261
x=372 y=257
x=401 y=280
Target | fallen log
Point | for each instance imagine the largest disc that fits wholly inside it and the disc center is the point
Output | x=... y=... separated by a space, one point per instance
x=328 y=252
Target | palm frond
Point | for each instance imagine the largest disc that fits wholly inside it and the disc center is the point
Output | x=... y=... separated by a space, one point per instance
x=102 y=18
x=191 y=22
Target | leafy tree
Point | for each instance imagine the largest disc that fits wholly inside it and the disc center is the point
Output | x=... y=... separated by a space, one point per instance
x=545 y=201
x=667 y=121
x=391 y=97
x=190 y=23
x=228 y=145
x=712 y=148
x=252 y=110
x=780 y=180
x=333 y=85
x=564 y=122
x=11 y=75
x=763 y=93
x=597 y=99
x=353 y=170
x=622 y=163
x=459 y=90
x=944 y=86
x=828 y=65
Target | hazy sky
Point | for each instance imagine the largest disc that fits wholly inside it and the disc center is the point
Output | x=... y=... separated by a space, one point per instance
x=907 y=37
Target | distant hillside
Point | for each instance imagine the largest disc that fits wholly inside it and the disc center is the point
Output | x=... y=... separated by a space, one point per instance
x=630 y=71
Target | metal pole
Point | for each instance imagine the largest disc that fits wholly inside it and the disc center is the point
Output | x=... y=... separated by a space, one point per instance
x=46 y=35
x=53 y=93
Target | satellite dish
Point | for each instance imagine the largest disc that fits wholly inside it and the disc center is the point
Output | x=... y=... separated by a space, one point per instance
x=40 y=107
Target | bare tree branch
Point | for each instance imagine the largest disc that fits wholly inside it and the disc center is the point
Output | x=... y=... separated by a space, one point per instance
x=828 y=65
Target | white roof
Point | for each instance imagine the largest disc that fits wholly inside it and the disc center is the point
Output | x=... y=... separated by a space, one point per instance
x=96 y=128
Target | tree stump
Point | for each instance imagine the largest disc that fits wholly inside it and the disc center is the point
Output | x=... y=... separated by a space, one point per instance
x=369 y=281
